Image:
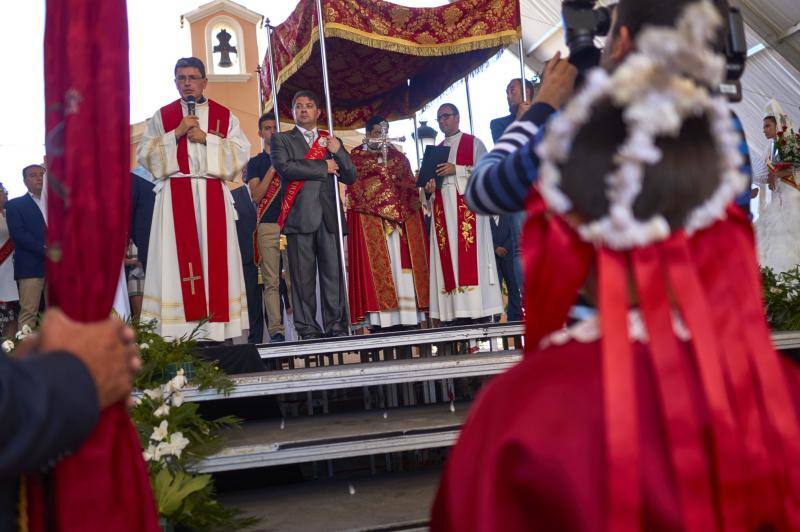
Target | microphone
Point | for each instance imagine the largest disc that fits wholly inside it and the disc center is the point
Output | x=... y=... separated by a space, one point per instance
x=190 y=104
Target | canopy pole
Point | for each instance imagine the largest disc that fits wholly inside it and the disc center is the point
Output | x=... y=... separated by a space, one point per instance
x=329 y=114
x=522 y=83
x=274 y=89
x=416 y=140
x=469 y=105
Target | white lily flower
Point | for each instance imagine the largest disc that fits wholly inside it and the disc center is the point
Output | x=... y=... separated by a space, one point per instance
x=163 y=449
x=149 y=453
x=177 y=399
x=7 y=346
x=162 y=411
x=177 y=443
x=155 y=393
x=26 y=330
x=177 y=382
x=160 y=432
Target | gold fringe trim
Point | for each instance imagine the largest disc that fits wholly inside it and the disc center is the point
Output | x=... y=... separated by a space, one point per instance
x=22 y=507
x=390 y=44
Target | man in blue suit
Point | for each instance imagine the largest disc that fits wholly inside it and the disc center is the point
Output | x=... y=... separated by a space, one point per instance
x=27 y=227
x=505 y=237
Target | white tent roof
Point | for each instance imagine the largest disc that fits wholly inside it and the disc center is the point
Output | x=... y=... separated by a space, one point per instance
x=773 y=66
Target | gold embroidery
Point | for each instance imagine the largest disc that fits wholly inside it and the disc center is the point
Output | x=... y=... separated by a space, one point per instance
x=467 y=223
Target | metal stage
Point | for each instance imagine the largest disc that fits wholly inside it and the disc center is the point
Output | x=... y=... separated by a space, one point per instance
x=381 y=408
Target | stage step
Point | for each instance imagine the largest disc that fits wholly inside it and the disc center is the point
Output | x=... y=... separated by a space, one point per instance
x=392 y=501
x=369 y=374
x=368 y=342
x=331 y=437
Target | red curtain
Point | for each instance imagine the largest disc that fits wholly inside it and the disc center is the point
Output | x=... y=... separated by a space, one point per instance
x=103 y=486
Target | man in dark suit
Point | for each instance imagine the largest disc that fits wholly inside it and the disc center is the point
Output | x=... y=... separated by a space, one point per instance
x=52 y=392
x=245 y=227
x=310 y=217
x=505 y=237
x=27 y=227
x=143 y=201
x=514 y=98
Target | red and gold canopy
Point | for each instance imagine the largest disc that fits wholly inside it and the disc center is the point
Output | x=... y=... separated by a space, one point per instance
x=375 y=47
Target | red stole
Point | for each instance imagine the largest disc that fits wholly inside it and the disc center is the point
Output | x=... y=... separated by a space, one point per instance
x=269 y=196
x=6 y=250
x=465 y=228
x=190 y=264
x=317 y=152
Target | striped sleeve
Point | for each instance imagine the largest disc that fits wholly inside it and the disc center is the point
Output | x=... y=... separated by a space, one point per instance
x=747 y=168
x=500 y=182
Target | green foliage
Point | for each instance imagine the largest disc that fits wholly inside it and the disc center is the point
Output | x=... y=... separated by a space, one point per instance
x=174 y=434
x=782 y=298
x=160 y=359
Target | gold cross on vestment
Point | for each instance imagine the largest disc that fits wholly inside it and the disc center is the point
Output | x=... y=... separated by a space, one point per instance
x=192 y=278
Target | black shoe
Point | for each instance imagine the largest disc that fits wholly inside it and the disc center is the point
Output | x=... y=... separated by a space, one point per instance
x=337 y=334
x=311 y=336
x=277 y=337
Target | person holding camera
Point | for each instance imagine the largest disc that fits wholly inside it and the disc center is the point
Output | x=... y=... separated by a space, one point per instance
x=670 y=409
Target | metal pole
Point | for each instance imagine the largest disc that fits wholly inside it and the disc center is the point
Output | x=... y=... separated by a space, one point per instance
x=469 y=105
x=329 y=114
x=522 y=67
x=273 y=88
x=416 y=140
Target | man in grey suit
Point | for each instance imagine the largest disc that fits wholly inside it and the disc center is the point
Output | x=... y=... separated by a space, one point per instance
x=310 y=226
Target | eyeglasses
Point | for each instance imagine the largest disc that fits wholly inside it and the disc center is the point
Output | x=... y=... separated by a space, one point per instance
x=184 y=79
x=445 y=116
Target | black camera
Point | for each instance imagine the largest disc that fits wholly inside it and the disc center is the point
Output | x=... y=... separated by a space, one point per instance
x=582 y=23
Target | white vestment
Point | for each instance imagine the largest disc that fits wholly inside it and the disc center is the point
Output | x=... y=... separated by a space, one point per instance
x=219 y=158
x=472 y=301
x=778 y=224
x=8 y=286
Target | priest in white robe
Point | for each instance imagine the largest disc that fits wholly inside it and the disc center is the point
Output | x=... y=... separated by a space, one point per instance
x=463 y=274
x=194 y=268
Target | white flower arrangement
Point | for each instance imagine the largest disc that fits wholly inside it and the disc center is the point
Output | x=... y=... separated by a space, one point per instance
x=7 y=346
x=655 y=87
x=24 y=332
x=162 y=444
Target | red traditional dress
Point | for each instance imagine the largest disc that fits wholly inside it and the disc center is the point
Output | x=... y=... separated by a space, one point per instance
x=464 y=281
x=387 y=248
x=194 y=268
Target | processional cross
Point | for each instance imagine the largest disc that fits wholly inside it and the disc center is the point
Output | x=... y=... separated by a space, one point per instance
x=191 y=278
x=224 y=48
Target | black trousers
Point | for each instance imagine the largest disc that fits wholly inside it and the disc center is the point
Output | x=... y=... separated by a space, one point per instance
x=308 y=254
x=255 y=306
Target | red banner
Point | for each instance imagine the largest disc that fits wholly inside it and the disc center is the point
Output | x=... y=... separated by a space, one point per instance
x=104 y=485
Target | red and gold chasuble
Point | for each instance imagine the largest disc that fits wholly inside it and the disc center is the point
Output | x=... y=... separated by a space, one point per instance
x=317 y=151
x=466 y=228
x=383 y=199
x=190 y=264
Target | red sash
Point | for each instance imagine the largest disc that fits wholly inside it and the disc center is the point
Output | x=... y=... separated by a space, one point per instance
x=316 y=152
x=272 y=192
x=466 y=229
x=190 y=264
x=6 y=250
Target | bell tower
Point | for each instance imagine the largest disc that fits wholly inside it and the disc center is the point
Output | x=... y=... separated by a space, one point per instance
x=224 y=37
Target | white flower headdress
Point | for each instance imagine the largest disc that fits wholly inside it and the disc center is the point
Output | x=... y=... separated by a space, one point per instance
x=658 y=87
